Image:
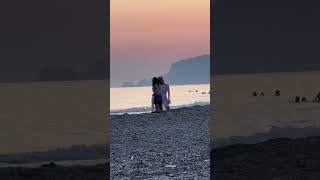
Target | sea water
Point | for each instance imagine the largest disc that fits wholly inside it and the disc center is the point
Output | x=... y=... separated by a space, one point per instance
x=135 y=100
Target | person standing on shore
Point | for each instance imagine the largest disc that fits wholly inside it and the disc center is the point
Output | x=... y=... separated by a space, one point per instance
x=157 y=98
x=165 y=93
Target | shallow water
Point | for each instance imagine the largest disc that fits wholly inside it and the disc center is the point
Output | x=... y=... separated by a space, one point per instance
x=138 y=99
x=238 y=113
x=41 y=116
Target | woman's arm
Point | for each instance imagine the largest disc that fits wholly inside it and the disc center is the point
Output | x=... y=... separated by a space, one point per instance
x=153 y=90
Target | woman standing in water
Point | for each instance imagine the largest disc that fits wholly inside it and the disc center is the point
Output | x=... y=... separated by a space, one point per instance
x=157 y=98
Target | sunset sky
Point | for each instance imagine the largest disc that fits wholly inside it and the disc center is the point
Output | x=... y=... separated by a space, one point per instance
x=147 y=36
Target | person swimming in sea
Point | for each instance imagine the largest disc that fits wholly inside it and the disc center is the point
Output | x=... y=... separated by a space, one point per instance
x=317 y=98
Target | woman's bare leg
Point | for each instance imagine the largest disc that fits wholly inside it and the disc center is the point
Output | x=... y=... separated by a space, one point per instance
x=157 y=107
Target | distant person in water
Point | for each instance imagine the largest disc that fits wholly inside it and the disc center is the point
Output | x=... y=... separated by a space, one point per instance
x=157 y=98
x=317 y=98
x=303 y=99
x=254 y=93
x=165 y=93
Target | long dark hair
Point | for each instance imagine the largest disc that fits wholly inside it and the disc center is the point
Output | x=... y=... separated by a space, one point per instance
x=155 y=81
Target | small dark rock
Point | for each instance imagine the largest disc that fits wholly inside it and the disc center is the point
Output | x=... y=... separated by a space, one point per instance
x=51 y=164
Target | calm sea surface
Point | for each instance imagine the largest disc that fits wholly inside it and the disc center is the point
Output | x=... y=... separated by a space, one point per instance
x=138 y=99
x=41 y=116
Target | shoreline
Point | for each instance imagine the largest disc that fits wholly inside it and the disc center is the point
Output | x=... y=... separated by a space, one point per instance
x=147 y=110
x=290 y=132
x=80 y=153
x=65 y=163
x=55 y=172
x=257 y=134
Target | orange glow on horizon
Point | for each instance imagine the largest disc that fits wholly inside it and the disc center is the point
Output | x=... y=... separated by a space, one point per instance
x=147 y=36
x=160 y=23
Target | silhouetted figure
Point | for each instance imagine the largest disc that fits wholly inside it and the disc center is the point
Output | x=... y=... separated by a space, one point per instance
x=317 y=98
x=196 y=90
x=262 y=94
x=304 y=99
x=277 y=92
x=165 y=93
x=297 y=99
x=254 y=93
x=157 y=98
x=51 y=164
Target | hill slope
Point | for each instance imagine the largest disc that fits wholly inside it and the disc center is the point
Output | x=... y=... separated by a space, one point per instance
x=194 y=70
x=190 y=71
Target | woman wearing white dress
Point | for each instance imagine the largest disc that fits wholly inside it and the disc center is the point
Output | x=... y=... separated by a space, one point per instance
x=165 y=93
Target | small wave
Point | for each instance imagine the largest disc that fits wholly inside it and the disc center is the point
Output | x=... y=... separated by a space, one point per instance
x=140 y=110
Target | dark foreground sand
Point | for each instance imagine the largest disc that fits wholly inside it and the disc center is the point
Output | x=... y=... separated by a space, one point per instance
x=169 y=145
x=277 y=159
x=75 y=163
x=54 y=172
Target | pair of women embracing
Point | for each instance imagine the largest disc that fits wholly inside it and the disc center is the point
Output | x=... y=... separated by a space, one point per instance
x=161 y=95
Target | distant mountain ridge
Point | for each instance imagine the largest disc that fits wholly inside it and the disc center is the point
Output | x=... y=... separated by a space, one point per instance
x=258 y=37
x=194 y=70
x=96 y=70
x=190 y=71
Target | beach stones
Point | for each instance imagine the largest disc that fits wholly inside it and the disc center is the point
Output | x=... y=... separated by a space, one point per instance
x=172 y=145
